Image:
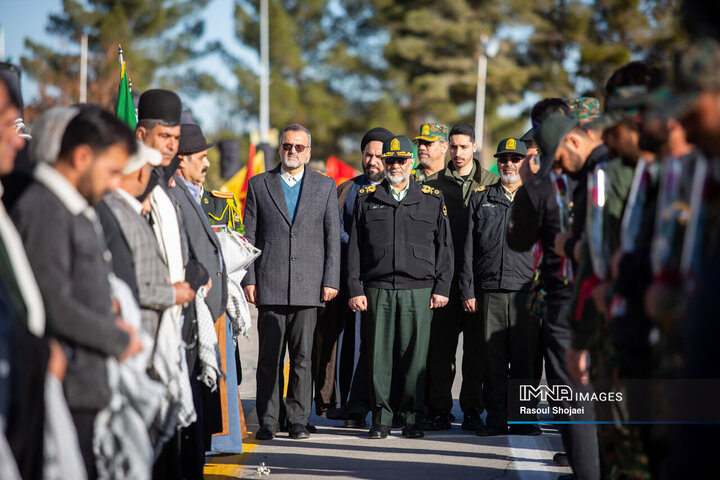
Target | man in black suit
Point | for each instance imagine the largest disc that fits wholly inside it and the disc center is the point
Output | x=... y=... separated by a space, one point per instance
x=291 y=215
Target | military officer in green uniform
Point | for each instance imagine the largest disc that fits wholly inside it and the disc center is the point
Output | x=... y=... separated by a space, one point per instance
x=456 y=182
x=432 y=145
x=400 y=266
x=221 y=208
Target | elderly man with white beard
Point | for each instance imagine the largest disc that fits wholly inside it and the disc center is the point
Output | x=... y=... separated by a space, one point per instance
x=495 y=281
x=400 y=266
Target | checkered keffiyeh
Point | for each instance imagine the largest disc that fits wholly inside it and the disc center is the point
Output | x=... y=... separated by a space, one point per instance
x=208 y=349
x=237 y=307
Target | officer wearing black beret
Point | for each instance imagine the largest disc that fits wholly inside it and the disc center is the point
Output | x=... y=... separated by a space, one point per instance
x=400 y=266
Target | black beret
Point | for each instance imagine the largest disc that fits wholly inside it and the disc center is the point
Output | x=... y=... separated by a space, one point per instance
x=377 y=134
x=158 y=104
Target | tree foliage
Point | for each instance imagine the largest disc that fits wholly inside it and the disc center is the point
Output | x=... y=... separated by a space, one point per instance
x=155 y=35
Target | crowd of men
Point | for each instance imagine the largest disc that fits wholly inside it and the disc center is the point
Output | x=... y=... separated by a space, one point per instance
x=592 y=256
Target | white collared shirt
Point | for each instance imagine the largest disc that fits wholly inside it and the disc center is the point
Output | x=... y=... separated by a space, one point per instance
x=63 y=190
x=132 y=201
x=291 y=180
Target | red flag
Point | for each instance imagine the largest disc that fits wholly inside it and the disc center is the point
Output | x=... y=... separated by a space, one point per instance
x=339 y=170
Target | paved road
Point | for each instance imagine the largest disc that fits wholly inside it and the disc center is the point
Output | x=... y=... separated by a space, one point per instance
x=340 y=453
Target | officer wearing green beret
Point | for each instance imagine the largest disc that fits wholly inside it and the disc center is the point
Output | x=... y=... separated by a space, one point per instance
x=457 y=182
x=432 y=145
x=221 y=208
x=400 y=266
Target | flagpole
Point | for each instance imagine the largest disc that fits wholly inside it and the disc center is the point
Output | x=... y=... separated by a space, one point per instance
x=264 y=71
x=120 y=53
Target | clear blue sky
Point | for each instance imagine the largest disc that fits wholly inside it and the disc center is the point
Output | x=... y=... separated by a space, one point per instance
x=28 y=18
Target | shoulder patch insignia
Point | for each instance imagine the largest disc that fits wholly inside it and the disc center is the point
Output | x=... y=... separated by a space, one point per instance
x=219 y=194
x=437 y=192
x=444 y=210
x=427 y=189
x=205 y=201
x=368 y=189
x=479 y=189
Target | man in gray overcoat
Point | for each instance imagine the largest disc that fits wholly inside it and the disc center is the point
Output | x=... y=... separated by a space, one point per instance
x=291 y=215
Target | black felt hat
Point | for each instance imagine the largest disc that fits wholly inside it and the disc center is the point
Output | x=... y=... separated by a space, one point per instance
x=192 y=139
x=159 y=104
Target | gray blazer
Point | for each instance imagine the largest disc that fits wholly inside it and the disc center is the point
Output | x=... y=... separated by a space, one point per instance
x=66 y=255
x=298 y=258
x=151 y=272
x=204 y=245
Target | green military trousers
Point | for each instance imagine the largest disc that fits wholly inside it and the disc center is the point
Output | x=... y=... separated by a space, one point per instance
x=398 y=319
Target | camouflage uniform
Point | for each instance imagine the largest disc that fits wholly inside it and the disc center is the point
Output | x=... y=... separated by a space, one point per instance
x=430 y=132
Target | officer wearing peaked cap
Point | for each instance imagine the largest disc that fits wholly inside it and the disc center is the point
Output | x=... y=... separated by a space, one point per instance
x=400 y=266
x=495 y=281
x=432 y=145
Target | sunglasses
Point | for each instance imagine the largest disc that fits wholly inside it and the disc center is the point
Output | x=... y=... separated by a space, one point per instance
x=400 y=161
x=298 y=148
x=513 y=159
x=427 y=143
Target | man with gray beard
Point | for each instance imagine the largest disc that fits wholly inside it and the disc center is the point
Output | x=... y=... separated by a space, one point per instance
x=496 y=281
x=400 y=266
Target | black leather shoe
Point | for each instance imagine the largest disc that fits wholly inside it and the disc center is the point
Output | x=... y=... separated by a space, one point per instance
x=355 y=420
x=298 y=431
x=378 y=431
x=413 y=431
x=472 y=421
x=311 y=428
x=264 y=433
x=561 y=459
x=492 y=430
x=439 y=421
x=335 y=413
x=525 y=430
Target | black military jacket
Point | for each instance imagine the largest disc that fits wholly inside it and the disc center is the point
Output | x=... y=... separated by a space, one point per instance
x=402 y=245
x=488 y=262
x=220 y=207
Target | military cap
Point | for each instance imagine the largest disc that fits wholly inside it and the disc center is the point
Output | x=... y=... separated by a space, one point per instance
x=584 y=108
x=511 y=145
x=192 y=140
x=547 y=137
x=159 y=104
x=432 y=132
x=695 y=71
x=398 y=146
x=621 y=105
x=527 y=138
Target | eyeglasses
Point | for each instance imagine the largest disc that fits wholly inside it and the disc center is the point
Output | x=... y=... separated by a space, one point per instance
x=298 y=148
x=513 y=159
x=399 y=160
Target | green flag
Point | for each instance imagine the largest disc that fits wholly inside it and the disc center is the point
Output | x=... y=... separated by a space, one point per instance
x=125 y=110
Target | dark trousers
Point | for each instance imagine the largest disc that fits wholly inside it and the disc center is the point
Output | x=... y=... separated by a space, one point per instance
x=401 y=316
x=279 y=326
x=356 y=376
x=84 y=421
x=580 y=441
x=447 y=323
x=511 y=337
x=327 y=331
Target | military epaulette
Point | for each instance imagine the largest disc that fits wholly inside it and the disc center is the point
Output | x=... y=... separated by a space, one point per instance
x=220 y=194
x=479 y=189
x=368 y=189
x=429 y=190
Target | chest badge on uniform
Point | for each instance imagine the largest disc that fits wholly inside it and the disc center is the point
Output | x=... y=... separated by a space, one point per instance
x=205 y=201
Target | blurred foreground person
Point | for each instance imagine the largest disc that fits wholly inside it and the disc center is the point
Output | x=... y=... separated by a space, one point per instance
x=69 y=259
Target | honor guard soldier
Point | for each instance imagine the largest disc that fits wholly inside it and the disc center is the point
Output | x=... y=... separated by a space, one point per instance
x=432 y=145
x=400 y=266
x=221 y=207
